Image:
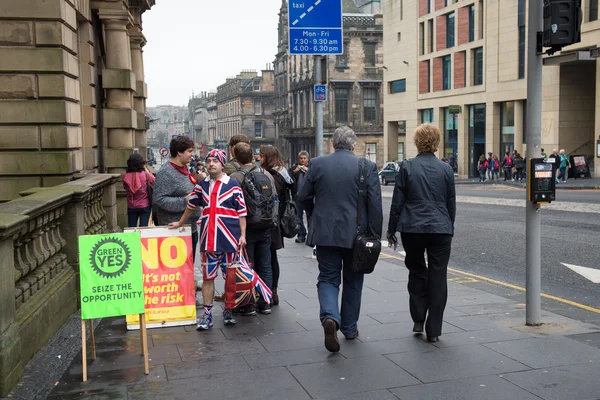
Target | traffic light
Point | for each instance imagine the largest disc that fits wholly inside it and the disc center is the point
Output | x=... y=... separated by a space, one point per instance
x=562 y=23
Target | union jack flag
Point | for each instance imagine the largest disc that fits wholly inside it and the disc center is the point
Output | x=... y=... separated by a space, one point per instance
x=242 y=284
x=222 y=208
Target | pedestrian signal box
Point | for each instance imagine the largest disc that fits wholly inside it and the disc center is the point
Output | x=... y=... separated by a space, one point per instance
x=541 y=178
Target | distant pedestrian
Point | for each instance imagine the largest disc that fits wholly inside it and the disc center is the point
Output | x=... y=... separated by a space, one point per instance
x=490 y=167
x=555 y=157
x=562 y=166
x=330 y=196
x=135 y=182
x=482 y=167
x=496 y=169
x=299 y=172
x=507 y=165
x=423 y=211
x=519 y=165
x=233 y=165
x=543 y=153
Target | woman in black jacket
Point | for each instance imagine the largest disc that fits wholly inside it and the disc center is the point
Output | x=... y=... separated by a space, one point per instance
x=423 y=211
x=272 y=162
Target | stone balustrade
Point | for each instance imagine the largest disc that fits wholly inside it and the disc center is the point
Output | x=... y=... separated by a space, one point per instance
x=39 y=262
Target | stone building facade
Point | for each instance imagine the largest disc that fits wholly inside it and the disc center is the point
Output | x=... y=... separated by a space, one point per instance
x=245 y=105
x=354 y=80
x=72 y=90
x=472 y=54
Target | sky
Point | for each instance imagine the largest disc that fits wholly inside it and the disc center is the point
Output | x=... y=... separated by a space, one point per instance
x=194 y=45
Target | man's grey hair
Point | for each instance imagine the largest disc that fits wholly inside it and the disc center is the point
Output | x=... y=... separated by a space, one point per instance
x=344 y=138
x=303 y=153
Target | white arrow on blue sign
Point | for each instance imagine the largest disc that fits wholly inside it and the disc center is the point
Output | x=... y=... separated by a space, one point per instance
x=315 y=27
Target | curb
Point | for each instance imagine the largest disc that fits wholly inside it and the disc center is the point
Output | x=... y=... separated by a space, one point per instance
x=558 y=187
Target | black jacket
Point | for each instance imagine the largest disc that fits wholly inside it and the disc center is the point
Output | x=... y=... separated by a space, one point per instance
x=424 y=197
x=296 y=176
x=283 y=185
x=330 y=196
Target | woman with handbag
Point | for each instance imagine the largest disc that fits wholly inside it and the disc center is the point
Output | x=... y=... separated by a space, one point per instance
x=271 y=161
x=423 y=211
x=136 y=182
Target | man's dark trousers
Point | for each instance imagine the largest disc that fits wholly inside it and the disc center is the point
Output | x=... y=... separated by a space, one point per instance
x=302 y=228
x=332 y=261
x=427 y=283
x=259 y=253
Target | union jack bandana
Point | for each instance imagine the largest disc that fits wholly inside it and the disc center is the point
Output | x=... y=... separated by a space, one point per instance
x=219 y=155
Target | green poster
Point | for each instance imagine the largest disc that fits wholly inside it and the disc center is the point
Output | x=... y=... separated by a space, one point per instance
x=112 y=282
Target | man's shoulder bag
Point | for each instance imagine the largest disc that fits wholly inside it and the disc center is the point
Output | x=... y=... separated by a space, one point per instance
x=366 y=246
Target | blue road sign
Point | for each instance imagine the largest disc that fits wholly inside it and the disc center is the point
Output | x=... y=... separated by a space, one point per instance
x=320 y=92
x=315 y=27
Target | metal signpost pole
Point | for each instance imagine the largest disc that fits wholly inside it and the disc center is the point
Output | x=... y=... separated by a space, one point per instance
x=319 y=108
x=534 y=138
x=316 y=28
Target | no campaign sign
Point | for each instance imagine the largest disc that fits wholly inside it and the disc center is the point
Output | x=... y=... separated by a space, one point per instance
x=111 y=275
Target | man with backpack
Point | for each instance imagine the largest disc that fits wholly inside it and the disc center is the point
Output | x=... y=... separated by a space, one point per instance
x=258 y=187
x=233 y=164
x=507 y=164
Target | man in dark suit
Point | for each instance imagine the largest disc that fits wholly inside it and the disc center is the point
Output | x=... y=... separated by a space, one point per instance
x=330 y=197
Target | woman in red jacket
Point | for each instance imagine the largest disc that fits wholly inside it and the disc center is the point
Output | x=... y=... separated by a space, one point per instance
x=135 y=183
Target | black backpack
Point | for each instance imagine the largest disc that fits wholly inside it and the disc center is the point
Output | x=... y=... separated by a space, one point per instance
x=288 y=213
x=259 y=195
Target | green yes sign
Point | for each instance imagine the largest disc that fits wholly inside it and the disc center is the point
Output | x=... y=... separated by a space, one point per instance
x=112 y=282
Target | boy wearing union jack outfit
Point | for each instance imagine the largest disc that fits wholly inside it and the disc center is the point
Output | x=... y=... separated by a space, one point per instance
x=222 y=228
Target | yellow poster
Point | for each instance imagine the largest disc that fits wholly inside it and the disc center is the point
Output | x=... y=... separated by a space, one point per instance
x=169 y=289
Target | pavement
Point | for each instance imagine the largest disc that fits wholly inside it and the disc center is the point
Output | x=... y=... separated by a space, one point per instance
x=571 y=184
x=486 y=350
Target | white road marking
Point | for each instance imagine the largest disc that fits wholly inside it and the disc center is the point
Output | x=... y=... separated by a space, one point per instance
x=588 y=273
x=307 y=11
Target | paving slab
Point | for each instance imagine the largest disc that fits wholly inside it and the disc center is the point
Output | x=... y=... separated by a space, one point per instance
x=481 y=388
x=478 y=337
x=547 y=352
x=340 y=376
x=355 y=349
x=398 y=330
x=315 y=324
x=274 y=383
x=206 y=349
x=293 y=341
x=579 y=382
x=374 y=395
x=455 y=363
x=107 y=381
x=206 y=366
x=591 y=339
x=290 y=357
x=100 y=394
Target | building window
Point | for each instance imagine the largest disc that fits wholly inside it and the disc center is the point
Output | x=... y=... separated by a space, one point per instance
x=371 y=151
x=450 y=30
x=451 y=138
x=427 y=116
x=341 y=105
x=430 y=5
x=446 y=71
x=422 y=38
x=522 y=37
x=398 y=86
x=400 y=151
x=593 y=10
x=257 y=86
x=471 y=22
x=258 y=129
x=341 y=61
x=370 y=106
x=476 y=137
x=478 y=66
x=430 y=32
x=257 y=107
x=507 y=127
x=521 y=52
x=481 y=19
x=370 y=59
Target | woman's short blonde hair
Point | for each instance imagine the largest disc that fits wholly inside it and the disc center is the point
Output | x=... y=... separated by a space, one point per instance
x=427 y=138
x=562 y=151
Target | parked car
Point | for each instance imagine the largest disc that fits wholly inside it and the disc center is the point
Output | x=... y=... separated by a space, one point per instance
x=388 y=172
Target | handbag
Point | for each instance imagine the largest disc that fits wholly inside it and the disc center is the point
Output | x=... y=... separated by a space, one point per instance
x=288 y=222
x=243 y=285
x=367 y=246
